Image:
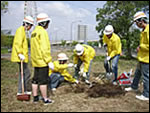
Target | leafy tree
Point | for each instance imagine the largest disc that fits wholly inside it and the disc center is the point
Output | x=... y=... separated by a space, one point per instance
x=120 y=15
x=4 y=7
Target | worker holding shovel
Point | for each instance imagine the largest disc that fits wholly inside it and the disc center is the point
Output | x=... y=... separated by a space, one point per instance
x=20 y=53
x=83 y=54
x=113 y=43
x=143 y=57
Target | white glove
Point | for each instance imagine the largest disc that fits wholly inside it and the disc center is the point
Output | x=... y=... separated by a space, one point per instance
x=51 y=65
x=84 y=75
x=70 y=65
x=21 y=56
x=108 y=58
x=75 y=65
x=81 y=71
x=76 y=81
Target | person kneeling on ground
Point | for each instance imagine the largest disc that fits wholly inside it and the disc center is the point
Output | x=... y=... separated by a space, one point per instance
x=59 y=73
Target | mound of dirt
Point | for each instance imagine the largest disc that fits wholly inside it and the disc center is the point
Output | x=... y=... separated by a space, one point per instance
x=105 y=90
x=80 y=88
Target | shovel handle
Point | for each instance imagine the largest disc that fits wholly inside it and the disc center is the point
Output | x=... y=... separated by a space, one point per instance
x=22 y=80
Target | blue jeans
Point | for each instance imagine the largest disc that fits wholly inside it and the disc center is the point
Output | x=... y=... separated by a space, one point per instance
x=142 y=69
x=115 y=61
x=112 y=68
x=55 y=80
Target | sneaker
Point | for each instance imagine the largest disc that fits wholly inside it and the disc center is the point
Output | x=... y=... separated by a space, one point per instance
x=47 y=101
x=53 y=89
x=130 y=89
x=87 y=82
x=28 y=92
x=141 y=97
x=35 y=99
x=114 y=83
x=19 y=93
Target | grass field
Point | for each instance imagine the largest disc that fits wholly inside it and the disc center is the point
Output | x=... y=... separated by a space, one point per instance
x=65 y=99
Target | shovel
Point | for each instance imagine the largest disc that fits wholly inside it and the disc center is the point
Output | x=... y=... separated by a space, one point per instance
x=23 y=96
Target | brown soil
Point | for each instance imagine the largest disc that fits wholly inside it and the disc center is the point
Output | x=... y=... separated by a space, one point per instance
x=105 y=90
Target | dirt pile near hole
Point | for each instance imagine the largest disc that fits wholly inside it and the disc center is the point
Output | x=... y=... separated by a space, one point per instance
x=105 y=90
x=80 y=88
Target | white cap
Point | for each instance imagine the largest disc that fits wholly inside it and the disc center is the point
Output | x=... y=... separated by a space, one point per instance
x=29 y=20
x=108 y=30
x=42 y=17
x=62 y=56
x=139 y=15
x=79 y=49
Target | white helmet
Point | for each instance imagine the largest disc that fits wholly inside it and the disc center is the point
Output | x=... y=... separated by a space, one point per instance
x=108 y=30
x=42 y=17
x=29 y=20
x=139 y=15
x=62 y=56
x=79 y=49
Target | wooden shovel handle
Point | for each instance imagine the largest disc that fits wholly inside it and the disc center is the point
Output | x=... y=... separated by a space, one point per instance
x=22 y=80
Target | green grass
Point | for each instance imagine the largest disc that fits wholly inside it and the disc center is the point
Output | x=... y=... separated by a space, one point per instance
x=4 y=50
x=66 y=101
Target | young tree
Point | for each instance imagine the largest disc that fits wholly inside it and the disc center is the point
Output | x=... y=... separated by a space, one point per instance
x=4 y=7
x=120 y=15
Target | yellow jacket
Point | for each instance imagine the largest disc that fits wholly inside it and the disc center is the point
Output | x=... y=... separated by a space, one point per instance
x=88 y=55
x=113 y=45
x=40 y=47
x=62 y=69
x=20 y=45
x=143 y=53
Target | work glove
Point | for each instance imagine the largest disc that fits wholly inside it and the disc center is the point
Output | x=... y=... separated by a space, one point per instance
x=51 y=65
x=70 y=65
x=108 y=58
x=81 y=71
x=75 y=65
x=84 y=75
x=21 y=56
x=76 y=81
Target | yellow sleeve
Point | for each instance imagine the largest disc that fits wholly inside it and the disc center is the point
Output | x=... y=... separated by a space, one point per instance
x=20 y=34
x=75 y=58
x=45 y=47
x=86 y=63
x=145 y=46
x=116 y=48
x=68 y=77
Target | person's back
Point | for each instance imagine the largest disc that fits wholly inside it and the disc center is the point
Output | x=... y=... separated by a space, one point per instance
x=40 y=47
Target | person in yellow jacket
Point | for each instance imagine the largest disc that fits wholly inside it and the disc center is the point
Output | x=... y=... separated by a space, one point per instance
x=143 y=57
x=41 y=57
x=20 y=53
x=60 y=74
x=83 y=54
x=114 y=51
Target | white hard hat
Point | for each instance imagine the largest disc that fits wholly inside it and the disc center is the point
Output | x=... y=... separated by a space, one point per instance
x=79 y=49
x=29 y=20
x=62 y=56
x=108 y=30
x=42 y=17
x=139 y=15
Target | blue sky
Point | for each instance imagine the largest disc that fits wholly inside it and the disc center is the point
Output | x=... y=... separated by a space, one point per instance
x=62 y=13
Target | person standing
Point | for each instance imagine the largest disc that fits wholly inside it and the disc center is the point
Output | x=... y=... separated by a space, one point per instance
x=20 y=53
x=114 y=50
x=83 y=54
x=41 y=58
x=142 y=68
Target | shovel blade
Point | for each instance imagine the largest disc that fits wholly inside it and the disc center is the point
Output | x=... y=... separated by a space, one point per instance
x=23 y=97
